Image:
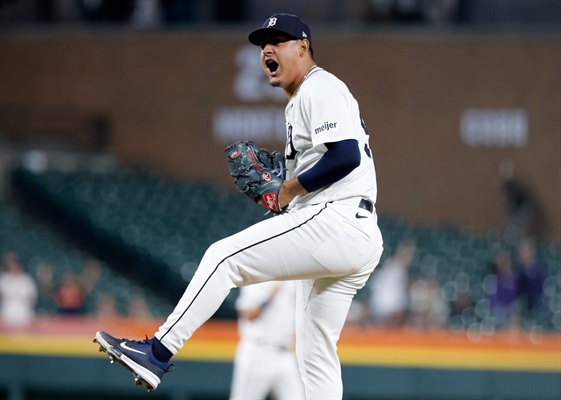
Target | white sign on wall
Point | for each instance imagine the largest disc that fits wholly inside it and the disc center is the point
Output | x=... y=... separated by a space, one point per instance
x=494 y=127
x=249 y=123
x=253 y=121
x=251 y=84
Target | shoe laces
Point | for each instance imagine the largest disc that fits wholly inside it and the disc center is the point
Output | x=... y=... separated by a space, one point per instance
x=146 y=341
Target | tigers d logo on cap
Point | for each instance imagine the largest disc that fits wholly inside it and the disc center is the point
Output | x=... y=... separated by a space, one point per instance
x=286 y=24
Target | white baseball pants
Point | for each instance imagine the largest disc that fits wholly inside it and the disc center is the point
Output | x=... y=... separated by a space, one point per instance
x=263 y=369
x=332 y=247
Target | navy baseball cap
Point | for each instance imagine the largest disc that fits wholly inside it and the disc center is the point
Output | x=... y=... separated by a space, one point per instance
x=281 y=23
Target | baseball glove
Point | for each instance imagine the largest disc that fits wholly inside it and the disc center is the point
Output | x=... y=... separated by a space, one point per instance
x=257 y=173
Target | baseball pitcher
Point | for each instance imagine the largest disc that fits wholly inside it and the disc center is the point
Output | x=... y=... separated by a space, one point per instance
x=325 y=235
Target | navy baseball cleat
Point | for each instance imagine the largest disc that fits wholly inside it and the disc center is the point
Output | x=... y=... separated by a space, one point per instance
x=136 y=356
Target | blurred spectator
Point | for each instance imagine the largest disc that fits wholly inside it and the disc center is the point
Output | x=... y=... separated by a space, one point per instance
x=427 y=306
x=106 y=306
x=45 y=278
x=389 y=287
x=90 y=275
x=146 y=14
x=414 y=11
x=530 y=279
x=138 y=309
x=500 y=287
x=520 y=205
x=441 y=11
x=18 y=292
x=71 y=294
x=141 y=13
x=462 y=304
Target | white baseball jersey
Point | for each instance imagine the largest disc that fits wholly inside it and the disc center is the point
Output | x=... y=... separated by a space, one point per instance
x=265 y=362
x=323 y=110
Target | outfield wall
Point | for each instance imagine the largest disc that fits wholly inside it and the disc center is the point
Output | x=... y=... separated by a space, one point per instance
x=443 y=111
x=56 y=359
x=77 y=378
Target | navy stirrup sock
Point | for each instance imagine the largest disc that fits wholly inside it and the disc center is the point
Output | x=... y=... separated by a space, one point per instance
x=160 y=351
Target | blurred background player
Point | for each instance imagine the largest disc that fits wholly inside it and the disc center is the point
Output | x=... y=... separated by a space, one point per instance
x=531 y=275
x=389 y=287
x=265 y=363
x=18 y=292
x=501 y=290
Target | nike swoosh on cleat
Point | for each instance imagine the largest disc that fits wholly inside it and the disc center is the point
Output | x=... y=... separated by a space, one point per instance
x=124 y=346
x=360 y=216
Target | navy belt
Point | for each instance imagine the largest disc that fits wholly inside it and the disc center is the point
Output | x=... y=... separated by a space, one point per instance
x=366 y=205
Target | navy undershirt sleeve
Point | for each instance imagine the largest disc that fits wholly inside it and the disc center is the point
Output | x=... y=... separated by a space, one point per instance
x=337 y=162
